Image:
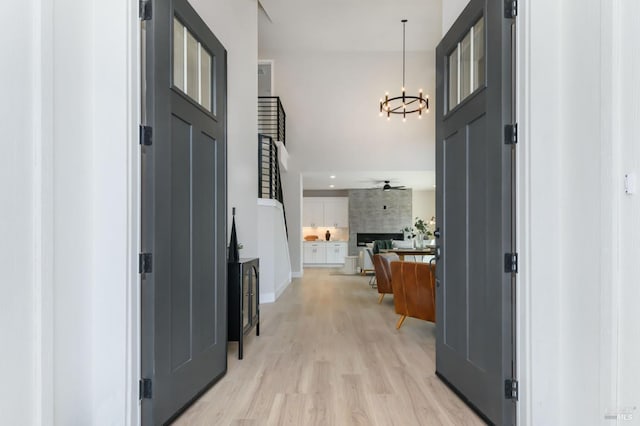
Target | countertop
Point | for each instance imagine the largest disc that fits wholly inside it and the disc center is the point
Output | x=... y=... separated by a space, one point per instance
x=325 y=241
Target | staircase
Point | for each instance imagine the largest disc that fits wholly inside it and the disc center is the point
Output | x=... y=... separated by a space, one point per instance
x=272 y=118
x=271 y=128
x=269 y=180
x=273 y=245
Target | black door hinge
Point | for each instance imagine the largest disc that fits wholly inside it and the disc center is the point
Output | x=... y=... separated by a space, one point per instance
x=145 y=389
x=511 y=134
x=145 y=10
x=511 y=389
x=145 y=263
x=511 y=262
x=510 y=9
x=146 y=133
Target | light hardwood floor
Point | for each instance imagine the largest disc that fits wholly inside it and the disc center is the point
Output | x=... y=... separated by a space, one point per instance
x=329 y=354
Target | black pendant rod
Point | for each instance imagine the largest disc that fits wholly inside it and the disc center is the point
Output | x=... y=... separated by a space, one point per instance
x=404 y=25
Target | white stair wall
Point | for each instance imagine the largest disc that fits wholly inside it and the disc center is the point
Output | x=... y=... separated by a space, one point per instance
x=273 y=250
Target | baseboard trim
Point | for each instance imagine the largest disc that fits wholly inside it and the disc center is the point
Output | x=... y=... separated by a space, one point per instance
x=281 y=289
x=323 y=265
x=267 y=298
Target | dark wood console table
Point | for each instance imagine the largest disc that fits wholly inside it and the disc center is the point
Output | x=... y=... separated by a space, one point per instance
x=243 y=295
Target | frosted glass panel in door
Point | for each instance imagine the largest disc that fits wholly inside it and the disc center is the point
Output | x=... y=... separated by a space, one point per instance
x=205 y=79
x=465 y=66
x=178 y=54
x=192 y=67
x=478 y=54
x=453 y=79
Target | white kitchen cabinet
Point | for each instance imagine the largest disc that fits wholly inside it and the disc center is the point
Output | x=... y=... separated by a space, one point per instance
x=325 y=212
x=314 y=253
x=312 y=212
x=324 y=252
x=336 y=252
x=336 y=212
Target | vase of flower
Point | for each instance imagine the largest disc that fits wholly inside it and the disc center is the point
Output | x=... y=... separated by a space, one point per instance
x=422 y=231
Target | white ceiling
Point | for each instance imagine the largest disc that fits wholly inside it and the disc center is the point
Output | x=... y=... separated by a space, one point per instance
x=418 y=180
x=353 y=26
x=350 y=25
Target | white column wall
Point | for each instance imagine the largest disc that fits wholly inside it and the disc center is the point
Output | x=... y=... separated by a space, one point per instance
x=18 y=328
x=115 y=210
x=235 y=23
x=539 y=197
x=73 y=103
x=625 y=85
x=582 y=197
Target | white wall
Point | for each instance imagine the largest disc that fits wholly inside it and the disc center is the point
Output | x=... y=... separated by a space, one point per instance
x=18 y=135
x=235 y=23
x=72 y=210
x=580 y=141
x=273 y=249
x=423 y=204
x=451 y=9
x=292 y=190
x=331 y=100
x=621 y=65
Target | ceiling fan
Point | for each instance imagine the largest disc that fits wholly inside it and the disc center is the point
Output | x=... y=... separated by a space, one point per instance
x=387 y=186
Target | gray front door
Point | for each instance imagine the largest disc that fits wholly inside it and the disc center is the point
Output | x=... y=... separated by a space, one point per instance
x=184 y=325
x=474 y=346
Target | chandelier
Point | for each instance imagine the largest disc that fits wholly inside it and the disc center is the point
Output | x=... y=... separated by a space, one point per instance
x=404 y=104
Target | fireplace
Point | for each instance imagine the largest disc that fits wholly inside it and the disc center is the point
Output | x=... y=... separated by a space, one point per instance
x=362 y=239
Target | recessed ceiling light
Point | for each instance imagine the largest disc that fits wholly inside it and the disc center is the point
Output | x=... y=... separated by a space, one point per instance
x=332 y=176
x=332 y=186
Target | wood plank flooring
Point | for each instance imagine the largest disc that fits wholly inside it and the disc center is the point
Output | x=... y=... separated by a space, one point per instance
x=329 y=354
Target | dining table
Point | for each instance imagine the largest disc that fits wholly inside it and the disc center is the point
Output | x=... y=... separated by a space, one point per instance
x=402 y=252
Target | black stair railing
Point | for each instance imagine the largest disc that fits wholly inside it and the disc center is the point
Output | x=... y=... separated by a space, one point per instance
x=272 y=118
x=269 y=181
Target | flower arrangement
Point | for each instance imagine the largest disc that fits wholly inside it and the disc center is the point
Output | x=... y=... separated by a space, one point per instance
x=408 y=232
x=420 y=228
x=423 y=227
